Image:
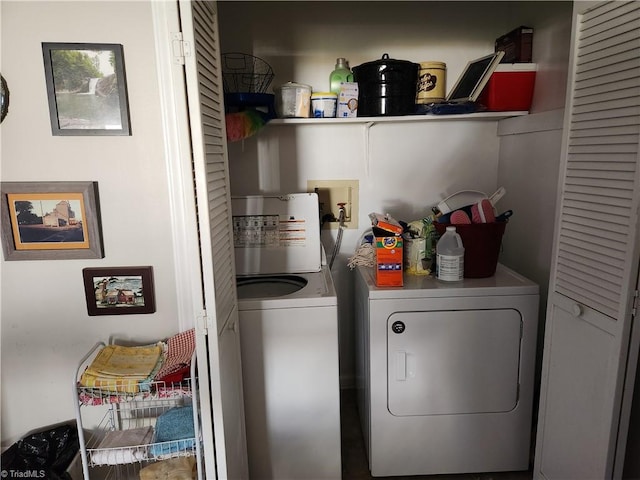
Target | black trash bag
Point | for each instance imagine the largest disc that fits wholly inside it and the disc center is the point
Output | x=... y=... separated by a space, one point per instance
x=45 y=454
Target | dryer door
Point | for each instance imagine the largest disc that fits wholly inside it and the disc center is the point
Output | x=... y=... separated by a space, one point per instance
x=453 y=362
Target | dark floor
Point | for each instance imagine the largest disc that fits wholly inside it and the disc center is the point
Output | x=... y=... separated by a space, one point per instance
x=354 y=457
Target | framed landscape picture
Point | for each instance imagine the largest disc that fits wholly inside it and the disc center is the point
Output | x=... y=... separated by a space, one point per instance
x=119 y=290
x=50 y=220
x=86 y=88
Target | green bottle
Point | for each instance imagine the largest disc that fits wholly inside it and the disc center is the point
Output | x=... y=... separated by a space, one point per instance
x=342 y=73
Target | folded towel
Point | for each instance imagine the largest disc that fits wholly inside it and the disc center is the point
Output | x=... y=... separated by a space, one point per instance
x=122 y=369
x=180 y=349
x=174 y=431
x=123 y=446
x=121 y=456
x=179 y=468
x=175 y=424
x=168 y=449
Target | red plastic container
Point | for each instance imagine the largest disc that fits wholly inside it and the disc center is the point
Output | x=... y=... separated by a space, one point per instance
x=510 y=87
x=482 y=242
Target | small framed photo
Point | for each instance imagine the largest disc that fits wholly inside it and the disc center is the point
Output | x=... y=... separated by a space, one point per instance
x=86 y=88
x=119 y=290
x=50 y=220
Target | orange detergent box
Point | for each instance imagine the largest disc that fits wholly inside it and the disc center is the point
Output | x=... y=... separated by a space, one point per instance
x=510 y=87
x=385 y=222
x=388 y=260
x=388 y=247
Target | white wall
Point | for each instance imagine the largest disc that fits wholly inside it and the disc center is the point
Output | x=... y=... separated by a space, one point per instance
x=45 y=326
x=530 y=154
x=301 y=39
x=405 y=168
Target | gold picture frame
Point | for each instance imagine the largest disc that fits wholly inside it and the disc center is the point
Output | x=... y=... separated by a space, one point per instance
x=50 y=220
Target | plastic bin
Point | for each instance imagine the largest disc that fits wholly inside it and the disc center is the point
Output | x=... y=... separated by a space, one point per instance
x=482 y=242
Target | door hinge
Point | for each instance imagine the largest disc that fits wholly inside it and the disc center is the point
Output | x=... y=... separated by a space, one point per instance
x=204 y=322
x=181 y=48
x=635 y=303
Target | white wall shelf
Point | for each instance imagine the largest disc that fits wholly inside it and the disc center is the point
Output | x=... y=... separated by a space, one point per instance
x=396 y=119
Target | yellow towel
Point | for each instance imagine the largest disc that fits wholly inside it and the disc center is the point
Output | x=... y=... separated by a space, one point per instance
x=119 y=368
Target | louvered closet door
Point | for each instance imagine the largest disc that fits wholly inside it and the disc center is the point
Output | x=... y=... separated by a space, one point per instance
x=206 y=111
x=588 y=336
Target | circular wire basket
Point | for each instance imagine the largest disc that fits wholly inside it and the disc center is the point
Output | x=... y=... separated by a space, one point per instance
x=243 y=73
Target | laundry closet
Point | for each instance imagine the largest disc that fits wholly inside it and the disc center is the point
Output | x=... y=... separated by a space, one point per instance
x=405 y=167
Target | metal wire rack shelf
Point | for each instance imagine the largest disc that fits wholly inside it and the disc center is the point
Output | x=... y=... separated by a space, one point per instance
x=123 y=440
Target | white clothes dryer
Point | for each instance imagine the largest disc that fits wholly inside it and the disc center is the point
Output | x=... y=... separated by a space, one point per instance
x=288 y=312
x=445 y=373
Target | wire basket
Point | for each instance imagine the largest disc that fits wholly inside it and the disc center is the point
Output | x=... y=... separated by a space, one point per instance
x=243 y=73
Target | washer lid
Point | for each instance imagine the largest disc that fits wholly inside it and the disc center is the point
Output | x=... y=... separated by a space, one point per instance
x=276 y=234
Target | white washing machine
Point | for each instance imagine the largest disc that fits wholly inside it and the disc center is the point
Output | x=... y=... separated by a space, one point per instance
x=445 y=373
x=288 y=312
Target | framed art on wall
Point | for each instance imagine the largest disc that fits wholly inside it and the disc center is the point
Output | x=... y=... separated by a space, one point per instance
x=4 y=98
x=86 y=88
x=50 y=220
x=119 y=290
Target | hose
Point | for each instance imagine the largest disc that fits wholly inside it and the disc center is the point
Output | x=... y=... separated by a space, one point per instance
x=336 y=247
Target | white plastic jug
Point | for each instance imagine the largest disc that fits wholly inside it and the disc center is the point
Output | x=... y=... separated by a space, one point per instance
x=450 y=256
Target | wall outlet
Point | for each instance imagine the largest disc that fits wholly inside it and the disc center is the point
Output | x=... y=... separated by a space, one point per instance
x=332 y=193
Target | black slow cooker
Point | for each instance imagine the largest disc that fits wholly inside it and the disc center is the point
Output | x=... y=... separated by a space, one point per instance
x=386 y=87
